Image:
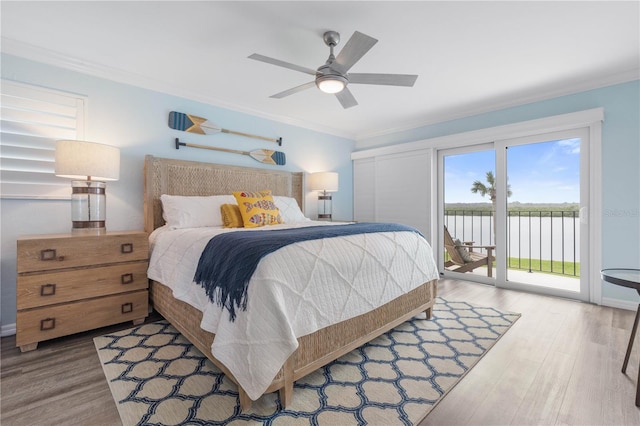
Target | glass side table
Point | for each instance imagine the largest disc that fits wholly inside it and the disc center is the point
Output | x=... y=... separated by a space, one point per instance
x=627 y=278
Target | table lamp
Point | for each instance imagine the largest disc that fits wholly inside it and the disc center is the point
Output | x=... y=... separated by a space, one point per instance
x=89 y=164
x=325 y=182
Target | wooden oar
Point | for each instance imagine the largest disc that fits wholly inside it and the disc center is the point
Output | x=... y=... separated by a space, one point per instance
x=194 y=124
x=266 y=156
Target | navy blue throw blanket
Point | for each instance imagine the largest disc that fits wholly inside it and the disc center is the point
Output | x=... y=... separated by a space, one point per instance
x=229 y=260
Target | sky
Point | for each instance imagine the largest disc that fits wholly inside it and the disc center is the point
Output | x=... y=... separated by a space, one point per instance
x=546 y=172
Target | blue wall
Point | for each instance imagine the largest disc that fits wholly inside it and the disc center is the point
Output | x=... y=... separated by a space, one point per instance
x=620 y=162
x=135 y=120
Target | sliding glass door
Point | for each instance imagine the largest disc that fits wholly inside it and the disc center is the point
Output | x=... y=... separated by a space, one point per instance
x=513 y=213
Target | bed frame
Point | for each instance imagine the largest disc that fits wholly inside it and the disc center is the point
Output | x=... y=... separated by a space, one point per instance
x=178 y=177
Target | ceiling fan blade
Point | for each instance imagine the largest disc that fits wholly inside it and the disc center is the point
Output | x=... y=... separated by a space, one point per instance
x=383 y=79
x=294 y=90
x=280 y=63
x=346 y=98
x=356 y=47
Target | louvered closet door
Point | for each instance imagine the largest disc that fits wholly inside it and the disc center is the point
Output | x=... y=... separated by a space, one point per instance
x=403 y=189
x=364 y=195
x=395 y=187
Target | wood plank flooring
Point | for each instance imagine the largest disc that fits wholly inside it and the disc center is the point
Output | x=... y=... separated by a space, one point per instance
x=558 y=365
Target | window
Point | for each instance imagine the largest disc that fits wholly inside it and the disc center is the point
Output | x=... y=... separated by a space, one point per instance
x=33 y=119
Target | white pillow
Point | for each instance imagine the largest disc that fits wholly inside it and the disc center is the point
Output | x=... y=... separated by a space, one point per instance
x=181 y=211
x=289 y=209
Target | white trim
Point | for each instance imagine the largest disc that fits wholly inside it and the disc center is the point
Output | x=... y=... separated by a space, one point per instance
x=572 y=120
x=595 y=210
x=620 y=304
x=8 y=330
x=500 y=220
x=435 y=197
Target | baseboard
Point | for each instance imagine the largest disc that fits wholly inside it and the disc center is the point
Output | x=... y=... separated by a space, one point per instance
x=8 y=330
x=621 y=304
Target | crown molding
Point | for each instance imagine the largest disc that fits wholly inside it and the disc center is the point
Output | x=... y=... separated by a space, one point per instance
x=554 y=123
x=511 y=101
x=49 y=57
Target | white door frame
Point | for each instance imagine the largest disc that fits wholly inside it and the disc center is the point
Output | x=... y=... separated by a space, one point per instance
x=591 y=120
x=502 y=218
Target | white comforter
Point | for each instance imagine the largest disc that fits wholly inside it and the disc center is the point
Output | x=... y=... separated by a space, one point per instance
x=294 y=291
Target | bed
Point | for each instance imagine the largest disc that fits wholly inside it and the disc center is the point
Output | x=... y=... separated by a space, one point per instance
x=314 y=350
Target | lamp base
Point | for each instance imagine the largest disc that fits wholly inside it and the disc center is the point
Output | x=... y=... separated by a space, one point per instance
x=325 y=200
x=89 y=231
x=88 y=207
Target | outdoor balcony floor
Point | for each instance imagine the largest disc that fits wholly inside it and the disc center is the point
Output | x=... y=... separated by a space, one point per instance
x=561 y=282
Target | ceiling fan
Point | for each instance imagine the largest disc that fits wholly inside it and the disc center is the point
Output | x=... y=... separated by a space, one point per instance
x=333 y=76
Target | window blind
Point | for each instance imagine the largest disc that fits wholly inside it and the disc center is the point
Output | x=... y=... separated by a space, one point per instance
x=33 y=119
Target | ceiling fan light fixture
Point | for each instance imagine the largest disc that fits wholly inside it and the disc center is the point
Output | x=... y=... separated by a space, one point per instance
x=333 y=76
x=331 y=83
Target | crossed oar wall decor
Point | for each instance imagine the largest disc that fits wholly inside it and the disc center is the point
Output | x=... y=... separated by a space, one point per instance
x=266 y=156
x=194 y=124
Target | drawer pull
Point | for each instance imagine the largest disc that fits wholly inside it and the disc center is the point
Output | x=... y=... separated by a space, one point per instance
x=127 y=307
x=126 y=278
x=126 y=248
x=47 y=289
x=48 y=254
x=47 y=324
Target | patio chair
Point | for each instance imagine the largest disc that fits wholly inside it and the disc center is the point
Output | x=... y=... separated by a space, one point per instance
x=463 y=256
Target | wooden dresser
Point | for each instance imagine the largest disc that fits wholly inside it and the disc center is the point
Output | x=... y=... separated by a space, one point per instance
x=72 y=283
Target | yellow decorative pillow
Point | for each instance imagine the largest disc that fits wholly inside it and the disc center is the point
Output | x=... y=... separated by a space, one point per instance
x=231 y=217
x=257 y=208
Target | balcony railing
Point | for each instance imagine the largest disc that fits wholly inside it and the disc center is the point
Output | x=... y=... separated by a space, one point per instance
x=537 y=240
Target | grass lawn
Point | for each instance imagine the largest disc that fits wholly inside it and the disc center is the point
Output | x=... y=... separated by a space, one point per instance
x=544 y=266
x=547 y=266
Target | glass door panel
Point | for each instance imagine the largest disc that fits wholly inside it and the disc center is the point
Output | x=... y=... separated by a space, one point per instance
x=467 y=206
x=543 y=230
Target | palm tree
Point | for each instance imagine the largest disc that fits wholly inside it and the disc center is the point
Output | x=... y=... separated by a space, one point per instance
x=482 y=189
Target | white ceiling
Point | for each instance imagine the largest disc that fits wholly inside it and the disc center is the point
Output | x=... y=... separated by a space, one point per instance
x=471 y=57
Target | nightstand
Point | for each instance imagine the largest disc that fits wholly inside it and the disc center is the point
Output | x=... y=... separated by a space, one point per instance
x=70 y=283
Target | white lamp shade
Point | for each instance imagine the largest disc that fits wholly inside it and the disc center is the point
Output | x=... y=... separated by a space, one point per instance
x=84 y=160
x=324 y=181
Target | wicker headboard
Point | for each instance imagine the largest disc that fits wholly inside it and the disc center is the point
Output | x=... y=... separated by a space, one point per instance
x=180 y=177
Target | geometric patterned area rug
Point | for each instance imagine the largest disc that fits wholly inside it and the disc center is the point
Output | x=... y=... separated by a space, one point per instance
x=157 y=377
